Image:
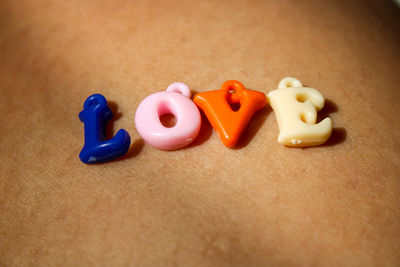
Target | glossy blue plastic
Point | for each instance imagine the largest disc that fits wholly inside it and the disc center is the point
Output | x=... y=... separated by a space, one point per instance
x=95 y=115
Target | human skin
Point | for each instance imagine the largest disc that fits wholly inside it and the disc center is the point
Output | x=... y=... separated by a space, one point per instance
x=261 y=204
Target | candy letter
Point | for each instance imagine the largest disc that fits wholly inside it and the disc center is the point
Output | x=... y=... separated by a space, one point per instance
x=176 y=100
x=295 y=109
x=95 y=116
x=229 y=124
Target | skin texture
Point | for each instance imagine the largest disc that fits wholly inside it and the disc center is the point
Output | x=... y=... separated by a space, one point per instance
x=261 y=204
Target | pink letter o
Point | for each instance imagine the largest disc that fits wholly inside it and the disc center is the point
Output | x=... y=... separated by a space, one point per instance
x=176 y=100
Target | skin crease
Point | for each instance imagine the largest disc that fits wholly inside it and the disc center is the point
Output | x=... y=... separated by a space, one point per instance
x=261 y=204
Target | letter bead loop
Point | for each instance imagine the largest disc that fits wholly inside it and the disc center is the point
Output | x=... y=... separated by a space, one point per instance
x=176 y=100
x=295 y=109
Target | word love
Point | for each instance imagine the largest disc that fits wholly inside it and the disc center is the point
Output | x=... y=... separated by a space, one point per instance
x=295 y=108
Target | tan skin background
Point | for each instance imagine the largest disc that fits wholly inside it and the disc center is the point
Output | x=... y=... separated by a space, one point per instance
x=261 y=204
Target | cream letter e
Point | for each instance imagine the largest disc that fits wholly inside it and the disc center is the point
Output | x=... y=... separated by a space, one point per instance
x=295 y=109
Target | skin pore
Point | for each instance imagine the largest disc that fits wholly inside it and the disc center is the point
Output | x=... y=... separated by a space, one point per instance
x=261 y=204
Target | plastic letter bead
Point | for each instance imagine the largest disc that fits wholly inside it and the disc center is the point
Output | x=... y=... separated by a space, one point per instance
x=95 y=116
x=295 y=109
x=176 y=100
x=230 y=124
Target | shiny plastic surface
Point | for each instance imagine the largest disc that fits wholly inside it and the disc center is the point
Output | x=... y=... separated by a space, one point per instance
x=176 y=101
x=95 y=115
x=228 y=123
x=296 y=109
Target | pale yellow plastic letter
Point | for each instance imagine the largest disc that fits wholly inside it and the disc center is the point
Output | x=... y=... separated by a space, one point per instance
x=295 y=109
